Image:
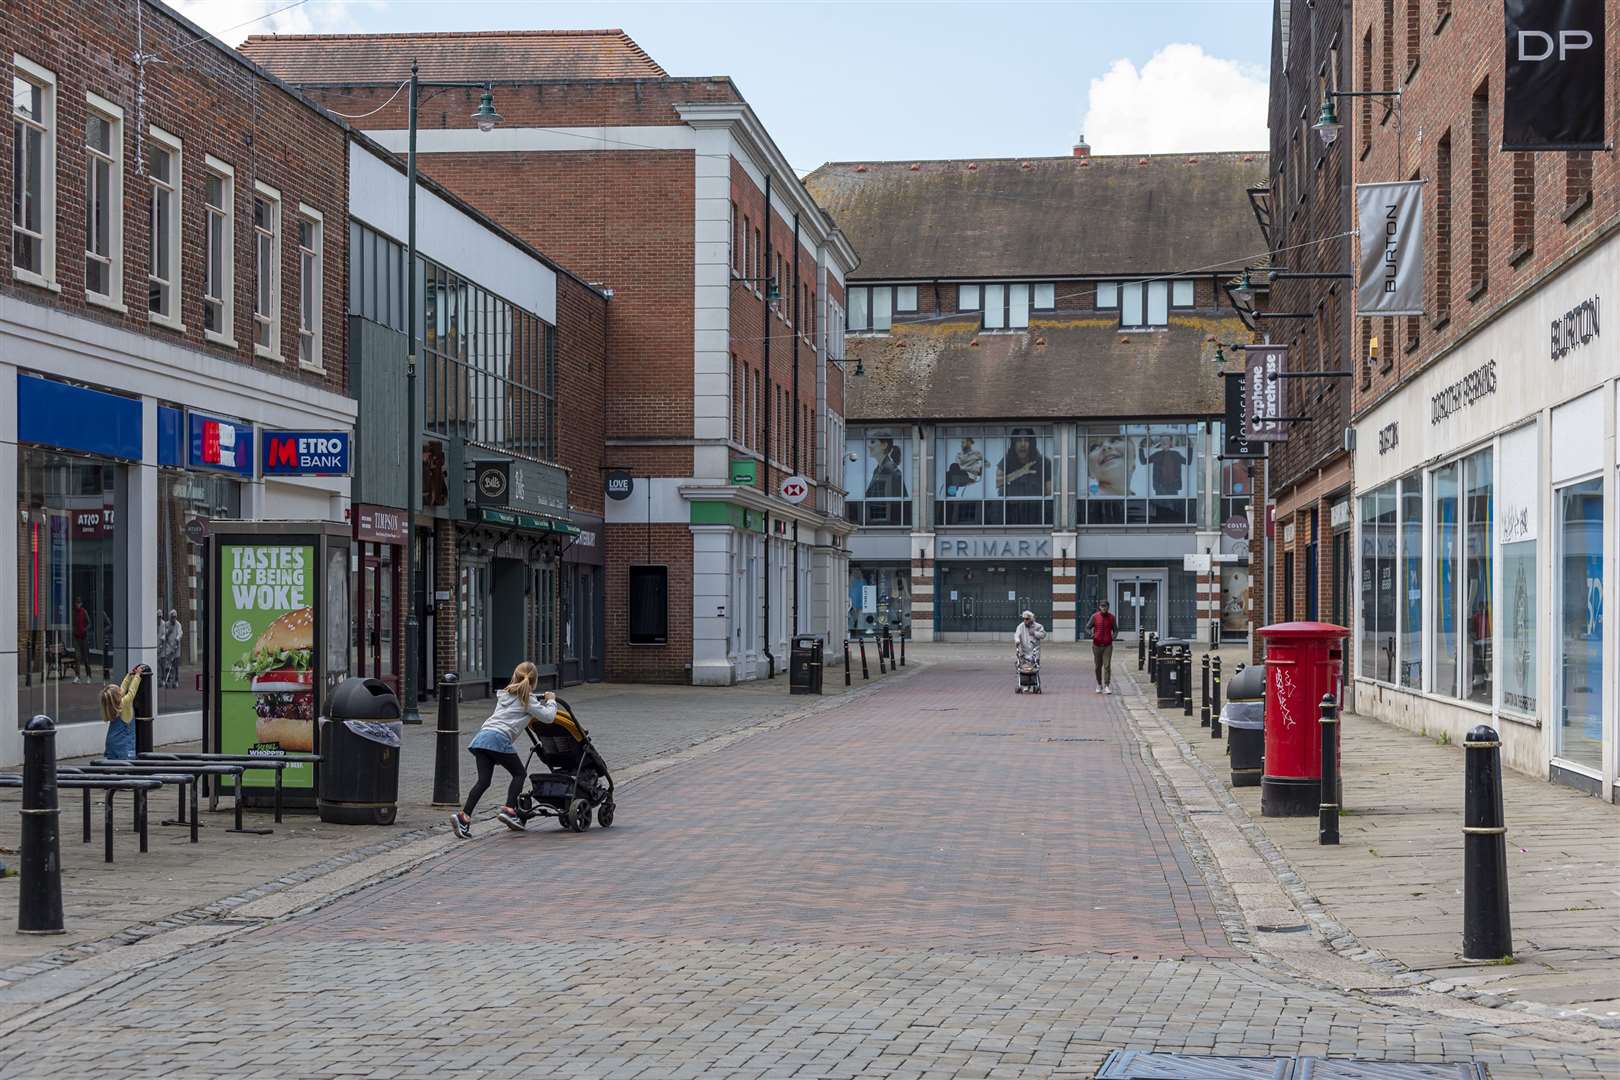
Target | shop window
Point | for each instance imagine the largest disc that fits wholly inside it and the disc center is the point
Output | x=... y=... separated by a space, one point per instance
x=649 y=605
x=1579 y=575
x=877 y=471
x=1446 y=559
x=181 y=615
x=1479 y=577
x=1519 y=519
x=879 y=599
x=1378 y=543
x=1142 y=474
x=1411 y=583
x=472 y=633
x=104 y=202
x=993 y=476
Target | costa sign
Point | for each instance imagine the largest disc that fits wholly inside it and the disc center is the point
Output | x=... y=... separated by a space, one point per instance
x=795 y=489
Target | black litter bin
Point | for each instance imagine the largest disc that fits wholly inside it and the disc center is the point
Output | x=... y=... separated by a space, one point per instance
x=360 y=742
x=1244 y=715
x=1167 y=673
x=805 y=665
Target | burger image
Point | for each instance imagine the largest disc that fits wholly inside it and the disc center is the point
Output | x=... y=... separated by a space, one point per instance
x=279 y=666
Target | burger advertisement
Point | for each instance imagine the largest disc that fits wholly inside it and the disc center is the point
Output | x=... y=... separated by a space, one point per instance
x=267 y=653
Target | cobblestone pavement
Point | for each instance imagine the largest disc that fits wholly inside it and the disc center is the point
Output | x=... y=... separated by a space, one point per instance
x=936 y=880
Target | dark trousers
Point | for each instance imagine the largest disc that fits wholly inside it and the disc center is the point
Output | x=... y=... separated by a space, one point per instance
x=1103 y=655
x=487 y=760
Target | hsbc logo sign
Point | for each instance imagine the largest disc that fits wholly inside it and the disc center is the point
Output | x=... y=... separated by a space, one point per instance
x=795 y=489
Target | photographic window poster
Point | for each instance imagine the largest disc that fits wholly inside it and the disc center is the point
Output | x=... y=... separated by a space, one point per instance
x=1163 y=466
x=961 y=456
x=1106 y=468
x=1025 y=469
x=887 y=464
x=1517 y=522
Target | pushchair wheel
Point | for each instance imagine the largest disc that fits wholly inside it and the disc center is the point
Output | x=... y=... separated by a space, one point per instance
x=579 y=815
x=604 y=815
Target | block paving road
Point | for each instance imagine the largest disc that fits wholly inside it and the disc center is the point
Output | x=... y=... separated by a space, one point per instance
x=936 y=880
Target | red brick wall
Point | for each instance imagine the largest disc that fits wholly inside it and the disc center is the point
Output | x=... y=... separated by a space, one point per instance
x=643 y=545
x=582 y=316
x=1535 y=209
x=215 y=105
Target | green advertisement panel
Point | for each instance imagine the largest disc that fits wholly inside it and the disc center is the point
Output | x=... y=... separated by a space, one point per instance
x=266 y=663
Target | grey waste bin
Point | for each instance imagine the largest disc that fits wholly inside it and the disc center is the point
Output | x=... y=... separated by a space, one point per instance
x=805 y=665
x=1167 y=672
x=360 y=743
x=1244 y=716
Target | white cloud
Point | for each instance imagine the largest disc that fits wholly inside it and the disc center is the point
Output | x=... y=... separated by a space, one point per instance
x=1181 y=100
x=233 y=20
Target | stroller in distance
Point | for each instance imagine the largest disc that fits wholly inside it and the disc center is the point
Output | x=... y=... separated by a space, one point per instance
x=577 y=780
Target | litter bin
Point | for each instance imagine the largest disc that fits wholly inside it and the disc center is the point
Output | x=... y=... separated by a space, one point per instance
x=360 y=742
x=1302 y=664
x=1244 y=717
x=1167 y=672
x=805 y=665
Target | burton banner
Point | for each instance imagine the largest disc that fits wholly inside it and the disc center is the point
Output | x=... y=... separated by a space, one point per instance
x=1390 y=220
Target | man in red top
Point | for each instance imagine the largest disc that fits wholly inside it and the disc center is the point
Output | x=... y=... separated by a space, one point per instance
x=81 y=640
x=1102 y=646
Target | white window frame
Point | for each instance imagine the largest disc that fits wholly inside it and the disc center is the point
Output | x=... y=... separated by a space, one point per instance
x=227 y=285
x=114 y=116
x=969 y=298
x=172 y=317
x=1002 y=311
x=1107 y=296
x=316 y=321
x=271 y=319
x=1143 y=289
x=900 y=306
x=1192 y=293
x=31 y=72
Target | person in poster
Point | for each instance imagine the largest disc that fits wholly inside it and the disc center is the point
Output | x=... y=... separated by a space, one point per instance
x=1107 y=467
x=1167 y=459
x=1023 y=472
x=965 y=469
x=888 y=479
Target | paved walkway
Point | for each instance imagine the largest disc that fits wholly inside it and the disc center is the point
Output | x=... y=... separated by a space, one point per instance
x=1394 y=883
x=935 y=880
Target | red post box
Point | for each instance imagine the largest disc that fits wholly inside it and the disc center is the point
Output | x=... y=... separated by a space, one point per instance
x=1303 y=660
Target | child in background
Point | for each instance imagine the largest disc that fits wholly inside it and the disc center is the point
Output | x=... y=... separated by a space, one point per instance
x=515 y=708
x=118 y=709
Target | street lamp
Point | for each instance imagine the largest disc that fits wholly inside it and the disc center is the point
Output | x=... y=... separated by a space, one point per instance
x=486 y=117
x=1244 y=289
x=1327 y=124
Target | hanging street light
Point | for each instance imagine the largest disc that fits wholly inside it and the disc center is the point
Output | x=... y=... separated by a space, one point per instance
x=1327 y=123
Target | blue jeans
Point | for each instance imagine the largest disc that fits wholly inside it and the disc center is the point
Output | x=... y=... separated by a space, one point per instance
x=120 y=744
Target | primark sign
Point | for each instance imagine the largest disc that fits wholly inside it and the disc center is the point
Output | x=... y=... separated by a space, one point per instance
x=994 y=547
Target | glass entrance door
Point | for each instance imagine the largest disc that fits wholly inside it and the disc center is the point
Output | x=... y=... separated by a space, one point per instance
x=1136 y=604
x=989 y=598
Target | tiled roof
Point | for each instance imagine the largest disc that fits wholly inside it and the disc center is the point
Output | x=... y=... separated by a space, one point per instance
x=1012 y=217
x=1079 y=366
x=500 y=55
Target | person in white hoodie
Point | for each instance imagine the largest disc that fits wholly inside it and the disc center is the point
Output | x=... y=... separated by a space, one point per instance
x=516 y=708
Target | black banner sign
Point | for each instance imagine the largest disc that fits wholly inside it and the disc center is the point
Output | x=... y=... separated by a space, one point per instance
x=1237 y=442
x=1554 y=98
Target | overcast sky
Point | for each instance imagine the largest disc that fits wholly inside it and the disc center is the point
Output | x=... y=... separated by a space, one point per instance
x=875 y=80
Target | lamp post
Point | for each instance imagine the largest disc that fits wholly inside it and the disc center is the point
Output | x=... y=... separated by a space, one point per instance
x=486 y=118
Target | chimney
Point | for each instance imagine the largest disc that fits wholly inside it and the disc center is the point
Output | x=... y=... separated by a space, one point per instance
x=1081 y=148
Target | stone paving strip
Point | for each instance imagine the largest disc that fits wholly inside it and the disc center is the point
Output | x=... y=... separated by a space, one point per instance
x=1387 y=900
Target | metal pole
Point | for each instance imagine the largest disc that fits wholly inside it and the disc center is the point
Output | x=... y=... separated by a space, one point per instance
x=1487 y=929
x=846 y=662
x=768 y=406
x=39 y=893
x=1215 y=698
x=1203 y=715
x=1186 y=682
x=902 y=648
x=1141 y=649
x=866 y=672
x=413 y=450
x=1327 y=821
x=144 y=711
x=795 y=428
x=1152 y=656
x=447 y=744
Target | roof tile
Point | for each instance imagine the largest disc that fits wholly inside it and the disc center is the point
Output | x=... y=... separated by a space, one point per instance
x=499 y=55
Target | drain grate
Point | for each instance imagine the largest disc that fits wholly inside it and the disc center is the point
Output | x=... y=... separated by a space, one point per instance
x=1070 y=738
x=986 y=734
x=1147 y=1065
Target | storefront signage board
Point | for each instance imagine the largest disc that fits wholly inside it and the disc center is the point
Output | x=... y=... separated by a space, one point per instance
x=994 y=547
x=380 y=524
x=1262 y=395
x=1554 y=94
x=516 y=484
x=306 y=453
x=219 y=444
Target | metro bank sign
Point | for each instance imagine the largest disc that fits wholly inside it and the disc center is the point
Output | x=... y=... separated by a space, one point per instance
x=306 y=453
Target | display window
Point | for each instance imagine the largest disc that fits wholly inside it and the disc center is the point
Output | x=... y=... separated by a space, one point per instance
x=1140 y=474
x=877 y=475
x=993 y=476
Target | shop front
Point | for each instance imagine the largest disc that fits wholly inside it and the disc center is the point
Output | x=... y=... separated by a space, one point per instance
x=583 y=636
x=983 y=583
x=1485 y=519
x=380 y=534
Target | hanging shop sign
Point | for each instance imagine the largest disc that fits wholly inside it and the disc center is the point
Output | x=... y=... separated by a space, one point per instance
x=745 y=472
x=1390 y=220
x=1262 y=394
x=306 y=453
x=380 y=524
x=1236 y=527
x=619 y=484
x=521 y=485
x=1236 y=420
x=220 y=444
x=795 y=489
x=1554 y=94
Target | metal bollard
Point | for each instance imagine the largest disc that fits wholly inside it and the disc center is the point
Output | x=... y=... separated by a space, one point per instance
x=1327 y=812
x=902 y=650
x=1186 y=682
x=447 y=744
x=866 y=672
x=1215 y=698
x=39 y=895
x=1153 y=657
x=1487 y=933
x=846 y=662
x=1203 y=714
x=882 y=669
x=1141 y=650
x=145 y=711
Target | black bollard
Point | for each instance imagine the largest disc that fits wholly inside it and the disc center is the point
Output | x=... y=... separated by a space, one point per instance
x=39 y=893
x=1153 y=658
x=1215 y=698
x=447 y=743
x=902 y=650
x=882 y=669
x=1487 y=933
x=866 y=672
x=1327 y=813
x=1186 y=682
x=846 y=662
x=1141 y=650
x=1203 y=714
x=145 y=712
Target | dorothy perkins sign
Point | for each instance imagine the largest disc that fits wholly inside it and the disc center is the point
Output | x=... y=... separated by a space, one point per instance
x=1464 y=392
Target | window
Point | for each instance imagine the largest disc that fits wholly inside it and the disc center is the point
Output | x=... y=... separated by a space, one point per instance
x=163 y=275
x=472 y=637
x=1181 y=293
x=1044 y=297
x=1144 y=304
x=1442 y=231
x=1107 y=295
x=1007 y=307
x=1578 y=574
x=1446 y=644
x=103 y=202
x=33 y=193
x=1577 y=182
x=1141 y=474
x=871 y=308
x=1414 y=35
x=219 y=245
x=310 y=287
x=1479 y=188
x=734 y=250
x=267 y=258
x=905 y=298
x=649 y=605
x=746 y=264
x=967 y=298
x=1377 y=638
x=1411 y=583
x=994 y=476
x=1479 y=576
x=1524 y=205
x=1519 y=520
x=877 y=472
x=756 y=266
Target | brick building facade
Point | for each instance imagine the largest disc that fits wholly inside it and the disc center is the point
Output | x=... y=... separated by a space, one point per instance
x=654 y=188
x=1485 y=457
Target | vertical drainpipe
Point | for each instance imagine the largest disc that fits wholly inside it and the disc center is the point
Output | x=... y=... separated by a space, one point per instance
x=769 y=406
x=795 y=428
